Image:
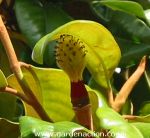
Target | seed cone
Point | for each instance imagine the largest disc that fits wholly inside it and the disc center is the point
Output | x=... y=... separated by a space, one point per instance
x=70 y=56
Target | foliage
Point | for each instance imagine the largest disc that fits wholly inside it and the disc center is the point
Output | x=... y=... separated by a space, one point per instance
x=115 y=34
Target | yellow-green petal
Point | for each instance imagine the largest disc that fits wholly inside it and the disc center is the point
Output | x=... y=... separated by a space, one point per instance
x=103 y=51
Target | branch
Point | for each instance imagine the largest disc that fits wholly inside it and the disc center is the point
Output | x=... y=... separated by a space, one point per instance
x=13 y=61
x=128 y=86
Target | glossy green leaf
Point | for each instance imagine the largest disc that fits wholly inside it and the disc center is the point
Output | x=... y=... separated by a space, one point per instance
x=36 y=19
x=111 y=120
x=33 y=85
x=48 y=86
x=3 y=81
x=132 y=33
x=126 y=131
x=98 y=41
x=125 y=6
x=145 y=108
x=102 y=12
x=31 y=127
x=135 y=34
x=132 y=53
x=56 y=95
x=9 y=129
x=134 y=28
x=144 y=128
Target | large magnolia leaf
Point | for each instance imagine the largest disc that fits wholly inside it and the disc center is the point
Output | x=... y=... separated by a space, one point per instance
x=132 y=36
x=31 y=127
x=48 y=87
x=99 y=43
x=131 y=33
x=9 y=129
x=111 y=120
x=48 y=17
x=55 y=86
x=33 y=85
